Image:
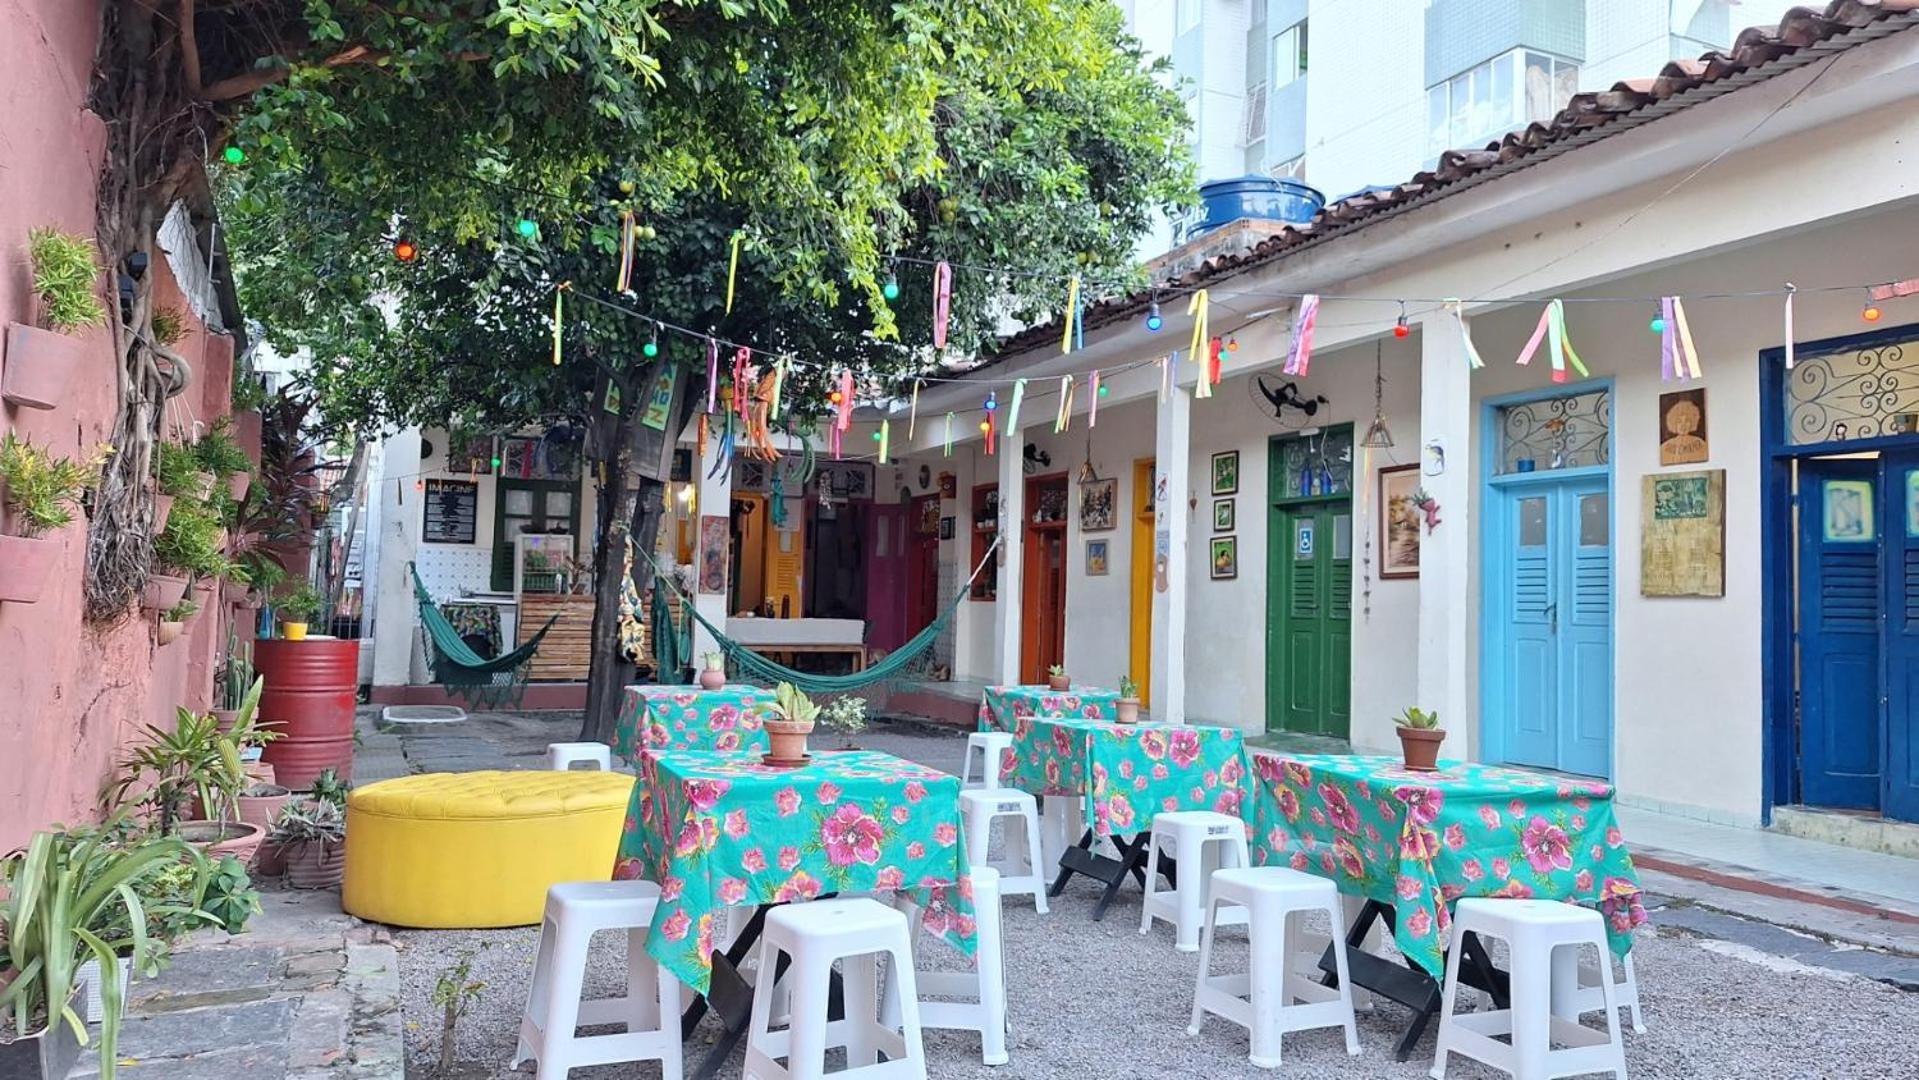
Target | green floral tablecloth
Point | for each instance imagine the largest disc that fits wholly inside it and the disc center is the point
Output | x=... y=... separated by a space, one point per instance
x=474 y=619
x=999 y=706
x=1128 y=772
x=1420 y=841
x=718 y=830
x=688 y=718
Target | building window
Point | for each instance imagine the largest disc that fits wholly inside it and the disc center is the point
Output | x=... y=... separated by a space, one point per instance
x=1255 y=116
x=1568 y=432
x=1188 y=15
x=1857 y=394
x=1509 y=91
x=1290 y=169
x=1289 y=54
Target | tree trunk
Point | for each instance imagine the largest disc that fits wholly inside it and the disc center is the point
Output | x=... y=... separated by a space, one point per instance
x=610 y=449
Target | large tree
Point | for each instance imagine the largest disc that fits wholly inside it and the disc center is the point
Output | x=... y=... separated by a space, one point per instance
x=843 y=142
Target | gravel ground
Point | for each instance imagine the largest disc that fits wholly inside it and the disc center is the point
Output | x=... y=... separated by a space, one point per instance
x=1092 y=998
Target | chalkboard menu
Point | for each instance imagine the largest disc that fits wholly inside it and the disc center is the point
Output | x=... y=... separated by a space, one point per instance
x=452 y=506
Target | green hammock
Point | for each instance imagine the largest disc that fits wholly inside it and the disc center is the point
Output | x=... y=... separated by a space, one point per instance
x=484 y=683
x=753 y=664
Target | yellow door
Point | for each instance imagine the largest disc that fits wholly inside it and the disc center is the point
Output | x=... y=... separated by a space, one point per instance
x=1141 y=659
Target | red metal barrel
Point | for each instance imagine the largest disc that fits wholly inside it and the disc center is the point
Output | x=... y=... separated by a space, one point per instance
x=309 y=697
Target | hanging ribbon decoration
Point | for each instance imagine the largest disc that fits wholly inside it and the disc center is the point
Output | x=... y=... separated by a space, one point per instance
x=712 y=374
x=846 y=400
x=699 y=440
x=1092 y=398
x=886 y=439
x=623 y=281
x=557 y=291
x=942 y=302
x=779 y=385
x=913 y=413
x=1458 y=311
x=733 y=269
x=991 y=424
x=1678 y=356
x=1790 y=289
x=1200 y=307
x=1215 y=357
x=742 y=379
x=1070 y=317
x=1063 y=421
x=1300 y=356
x=1012 y=414
x=1552 y=330
x=1166 y=374
x=949 y=435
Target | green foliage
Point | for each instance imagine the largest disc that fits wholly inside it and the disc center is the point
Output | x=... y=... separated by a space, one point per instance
x=218 y=453
x=176 y=470
x=234 y=678
x=169 y=325
x=308 y=821
x=300 y=605
x=42 y=490
x=1058 y=671
x=1128 y=689
x=191 y=542
x=792 y=704
x=181 y=612
x=328 y=787
x=56 y=892
x=1418 y=719
x=64 y=275
x=193 y=758
x=845 y=713
x=229 y=898
x=249 y=393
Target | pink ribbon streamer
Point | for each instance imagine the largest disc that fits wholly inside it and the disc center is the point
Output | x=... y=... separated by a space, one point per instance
x=1300 y=356
x=1539 y=335
x=942 y=302
x=846 y=402
x=712 y=374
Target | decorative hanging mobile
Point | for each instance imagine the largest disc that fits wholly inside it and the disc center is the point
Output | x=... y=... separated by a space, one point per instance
x=1378 y=436
x=1012 y=412
x=948 y=440
x=742 y=378
x=942 y=304
x=733 y=268
x=886 y=439
x=1458 y=310
x=1199 y=307
x=913 y=411
x=1552 y=330
x=1166 y=373
x=845 y=401
x=1300 y=357
x=780 y=368
x=1678 y=356
x=1215 y=358
x=759 y=417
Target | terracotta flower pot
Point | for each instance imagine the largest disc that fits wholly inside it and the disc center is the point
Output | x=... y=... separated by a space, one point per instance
x=162 y=507
x=169 y=632
x=237 y=484
x=713 y=679
x=260 y=772
x=261 y=809
x=203 y=483
x=164 y=591
x=1420 y=748
x=315 y=864
x=270 y=860
x=1059 y=682
x=216 y=838
x=26 y=565
x=39 y=364
x=233 y=593
x=1128 y=709
x=788 y=741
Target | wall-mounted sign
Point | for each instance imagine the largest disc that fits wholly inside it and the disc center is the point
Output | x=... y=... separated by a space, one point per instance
x=452 y=508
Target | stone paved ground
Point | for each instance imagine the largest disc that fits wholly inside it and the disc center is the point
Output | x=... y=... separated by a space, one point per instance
x=305 y=993
x=1726 y=996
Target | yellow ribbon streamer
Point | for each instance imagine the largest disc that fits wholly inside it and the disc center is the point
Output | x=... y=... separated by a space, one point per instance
x=558 y=290
x=1066 y=319
x=733 y=269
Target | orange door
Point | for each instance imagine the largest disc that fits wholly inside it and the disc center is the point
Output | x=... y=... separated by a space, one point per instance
x=1043 y=586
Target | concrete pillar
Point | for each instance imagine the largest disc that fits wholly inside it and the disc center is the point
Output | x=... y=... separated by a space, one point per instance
x=714 y=499
x=1446 y=609
x=398 y=656
x=1012 y=553
x=1172 y=456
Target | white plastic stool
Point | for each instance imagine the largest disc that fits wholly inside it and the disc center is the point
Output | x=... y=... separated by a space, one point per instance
x=650 y=1011
x=856 y=932
x=1062 y=822
x=561 y=756
x=985 y=984
x=1022 y=870
x=1203 y=841
x=1532 y=929
x=1263 y=1000
x=992 y=748
x=1592 y=997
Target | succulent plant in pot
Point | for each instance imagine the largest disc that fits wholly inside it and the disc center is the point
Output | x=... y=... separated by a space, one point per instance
x=41 y=358
x=41 y=494
x=1057 y=679
x=311 y=835
x=1128 y=704
x=1419 y=739
x=173 y=621
x=788 y=722
x=713 y=673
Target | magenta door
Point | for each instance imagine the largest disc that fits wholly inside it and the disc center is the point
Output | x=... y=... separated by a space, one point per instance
x=885 y=581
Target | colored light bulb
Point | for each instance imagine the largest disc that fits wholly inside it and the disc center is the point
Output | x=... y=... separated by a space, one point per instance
x=1232 y=344
x=405 y=251
x=234 y=155
x=496 y=461
x=835 y=397
x=1871 y=314
x=876 y=436
x=891 y=290
x=1104 y=389
x=986 y=425
x=651 y=348
x=1657 y=325
x=1400 y=329
x=1153 y=319
x=528 y=228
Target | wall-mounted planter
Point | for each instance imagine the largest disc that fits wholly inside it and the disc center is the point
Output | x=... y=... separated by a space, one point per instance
x=164 y=591
x=38 y=365
x=237 y=484
x=25 y=567
x=162 y=506
x=169 y=632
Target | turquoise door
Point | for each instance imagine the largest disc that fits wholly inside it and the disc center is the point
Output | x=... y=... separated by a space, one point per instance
x=1549 y=624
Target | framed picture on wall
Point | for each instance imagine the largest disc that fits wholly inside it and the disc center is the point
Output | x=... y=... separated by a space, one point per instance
x=1223 y=515
x=1399 y=520
x=1226 y=472
x=946 y=528
x=1098 y=505
x=1225 y=557
x=1096 y=558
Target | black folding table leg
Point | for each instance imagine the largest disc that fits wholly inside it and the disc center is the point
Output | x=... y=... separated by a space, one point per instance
x=1066 y=871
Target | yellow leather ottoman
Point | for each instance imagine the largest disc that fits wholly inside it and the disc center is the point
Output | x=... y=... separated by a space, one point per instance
x=478 y=849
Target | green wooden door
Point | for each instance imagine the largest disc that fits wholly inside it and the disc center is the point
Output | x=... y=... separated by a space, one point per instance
x=1309 y=618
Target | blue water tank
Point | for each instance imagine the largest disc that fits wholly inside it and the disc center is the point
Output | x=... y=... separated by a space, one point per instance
x=1254 y=196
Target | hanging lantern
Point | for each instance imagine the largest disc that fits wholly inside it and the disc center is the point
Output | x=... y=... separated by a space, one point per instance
x=1378 y=435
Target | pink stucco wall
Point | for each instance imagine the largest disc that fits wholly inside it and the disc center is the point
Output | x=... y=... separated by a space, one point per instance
x=71 y=695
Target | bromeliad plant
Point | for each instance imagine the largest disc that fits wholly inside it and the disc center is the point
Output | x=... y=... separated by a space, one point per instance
x=58 y=891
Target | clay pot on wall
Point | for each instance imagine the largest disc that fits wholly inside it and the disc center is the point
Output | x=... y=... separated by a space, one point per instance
x=162 y=506
x=164 y=591
x=25 y=567
x=38 y=365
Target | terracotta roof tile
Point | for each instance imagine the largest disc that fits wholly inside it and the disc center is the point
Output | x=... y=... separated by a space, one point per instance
x=1836 y=27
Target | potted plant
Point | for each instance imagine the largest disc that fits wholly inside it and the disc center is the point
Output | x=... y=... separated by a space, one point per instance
x=845 y=714
x=789 y=721
x=1419 y=739
x=42 y=492
x=1056 y=678
x=173 y=621
x=260 y=803
x=57 y=890
x=231 y=682
x=188 y=548
x=41 y=358
x=1128 y=703
x=295 y=609
x=193 y=766
x=713 y=674
x=218 y=454
x=311 y=835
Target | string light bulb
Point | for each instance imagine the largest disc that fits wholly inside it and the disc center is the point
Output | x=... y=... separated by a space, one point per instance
x=891 y=290
x=652 y=346
x=233 y=155
x=1657 y=325
x=1232 y=344
x=835 y=397
x=1153 y=319
x=876 y=434
x=1104 y=389
x=528 y=228
x=405 y=250
x=1400 y=329
x=496 y=461
x=986 y=425
x=1871 y=313
x=992 y=400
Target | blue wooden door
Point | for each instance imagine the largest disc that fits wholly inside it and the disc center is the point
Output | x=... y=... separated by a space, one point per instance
x=1901 y=485
x=1553 y=694
x=1840 y=733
